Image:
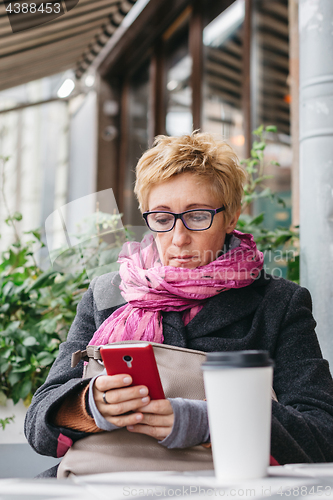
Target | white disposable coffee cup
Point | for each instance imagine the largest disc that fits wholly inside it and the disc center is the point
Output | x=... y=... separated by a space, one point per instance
x=238 y=391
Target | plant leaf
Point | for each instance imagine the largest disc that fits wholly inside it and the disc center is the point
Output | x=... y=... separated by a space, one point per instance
x=17 y=216
x=271 y=128
x=3 y=398
x=44 y=279
x=29 y=341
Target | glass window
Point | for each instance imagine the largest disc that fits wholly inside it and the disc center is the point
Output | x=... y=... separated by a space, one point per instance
x=137 y=139
x=270 y=106
x=223 y=60
x=179 y=93
x=270 y=101
x=270 y=64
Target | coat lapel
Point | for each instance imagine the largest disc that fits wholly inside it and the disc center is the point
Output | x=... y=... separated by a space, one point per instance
x=223 y=310
x=218 y=312
x=174 y=331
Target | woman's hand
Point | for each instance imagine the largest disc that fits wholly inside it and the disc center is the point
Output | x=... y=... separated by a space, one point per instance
x=157 y=419
x=154 y=418
x=120 y=399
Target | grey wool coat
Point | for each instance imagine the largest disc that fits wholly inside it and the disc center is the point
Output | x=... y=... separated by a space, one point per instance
x=271 y=314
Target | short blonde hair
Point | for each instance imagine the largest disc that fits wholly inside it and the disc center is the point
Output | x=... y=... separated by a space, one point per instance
x=198 y=153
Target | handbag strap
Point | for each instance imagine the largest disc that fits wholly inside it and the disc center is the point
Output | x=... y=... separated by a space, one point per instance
x=93 y=351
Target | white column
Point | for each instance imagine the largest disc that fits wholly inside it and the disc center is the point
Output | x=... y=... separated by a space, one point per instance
x=316 y=162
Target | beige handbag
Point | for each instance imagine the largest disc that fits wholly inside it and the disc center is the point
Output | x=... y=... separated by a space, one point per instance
x=120 y=450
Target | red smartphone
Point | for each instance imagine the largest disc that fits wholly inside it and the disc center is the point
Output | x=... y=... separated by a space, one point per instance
x=138 y=360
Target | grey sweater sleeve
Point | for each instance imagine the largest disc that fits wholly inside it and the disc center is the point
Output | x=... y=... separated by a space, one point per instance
x=190 y=426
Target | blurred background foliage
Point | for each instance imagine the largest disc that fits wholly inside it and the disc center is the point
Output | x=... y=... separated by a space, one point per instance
x=38 y=306
x=280 y=245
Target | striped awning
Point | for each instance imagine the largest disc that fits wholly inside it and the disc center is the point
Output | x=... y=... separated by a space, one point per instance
x=71 y=41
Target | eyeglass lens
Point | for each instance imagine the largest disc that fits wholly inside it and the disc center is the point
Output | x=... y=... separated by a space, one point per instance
x=161 y=221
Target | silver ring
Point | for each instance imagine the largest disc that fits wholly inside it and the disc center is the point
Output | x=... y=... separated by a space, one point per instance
x=104 y=399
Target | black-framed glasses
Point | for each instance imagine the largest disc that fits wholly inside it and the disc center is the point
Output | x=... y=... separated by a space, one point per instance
x=198 y=219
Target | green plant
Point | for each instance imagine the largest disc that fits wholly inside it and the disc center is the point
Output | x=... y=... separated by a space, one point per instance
x=36 y=309
x=38 y=306
x=6 y=421
x=281 y=240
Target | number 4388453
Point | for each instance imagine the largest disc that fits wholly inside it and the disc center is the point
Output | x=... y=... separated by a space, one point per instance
x=304 y=491
x=32 y=8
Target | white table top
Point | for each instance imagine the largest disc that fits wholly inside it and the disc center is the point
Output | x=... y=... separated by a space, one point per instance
x=310 y=481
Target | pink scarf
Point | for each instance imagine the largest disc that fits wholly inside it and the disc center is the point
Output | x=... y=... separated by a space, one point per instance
x=149 y=288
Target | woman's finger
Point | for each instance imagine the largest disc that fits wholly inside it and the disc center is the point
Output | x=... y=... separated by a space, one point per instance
x=156 y=420
x=159 y=433
x=111 y=410
x=131 y=419
x=158 y=406
x=114 y=396
x=107 y=382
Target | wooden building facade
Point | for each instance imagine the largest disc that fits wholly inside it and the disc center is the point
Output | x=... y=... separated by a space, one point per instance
x=220 y=66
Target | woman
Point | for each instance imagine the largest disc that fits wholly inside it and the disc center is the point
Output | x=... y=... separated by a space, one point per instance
x=198 y=285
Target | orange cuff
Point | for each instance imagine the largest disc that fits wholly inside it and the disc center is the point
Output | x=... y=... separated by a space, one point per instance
x=73 y=414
